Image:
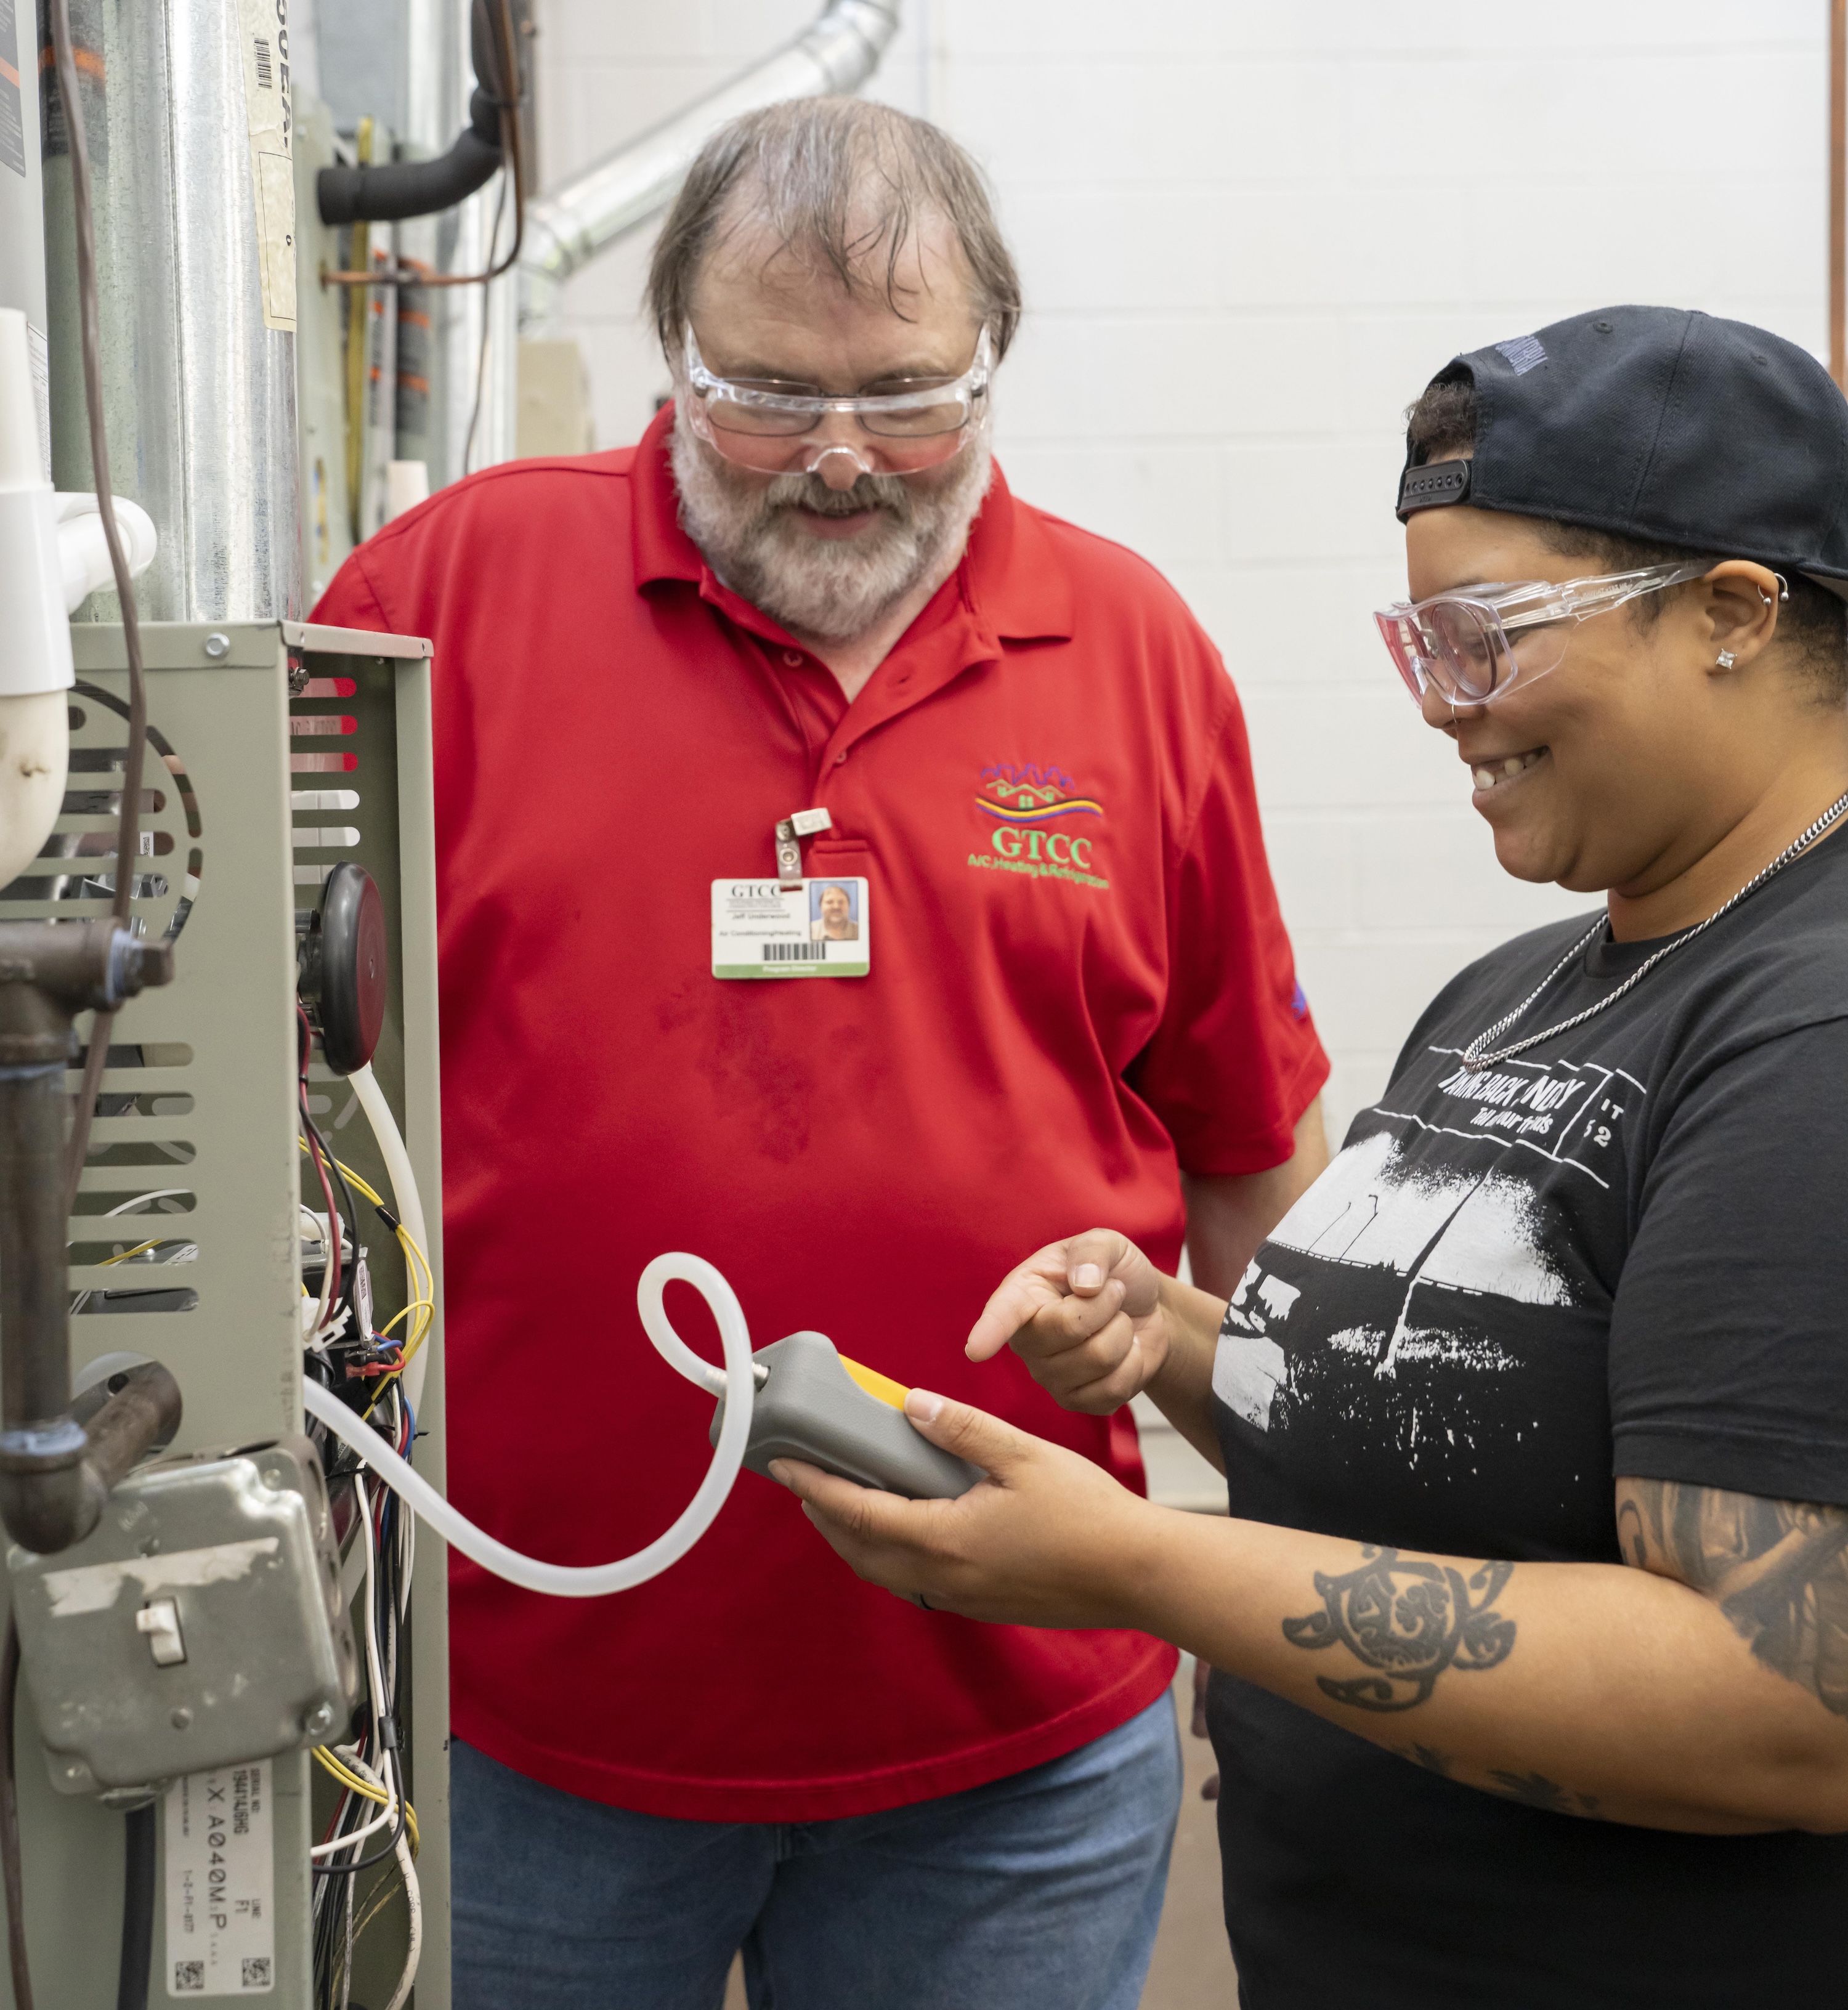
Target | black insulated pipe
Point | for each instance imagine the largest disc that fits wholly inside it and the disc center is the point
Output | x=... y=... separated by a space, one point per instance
x=54 y=1475
x=400 y=190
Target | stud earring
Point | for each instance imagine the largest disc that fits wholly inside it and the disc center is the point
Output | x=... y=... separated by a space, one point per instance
x=1725 y=659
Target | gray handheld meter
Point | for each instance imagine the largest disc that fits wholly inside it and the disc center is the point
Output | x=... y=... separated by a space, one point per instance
x=814 y=1405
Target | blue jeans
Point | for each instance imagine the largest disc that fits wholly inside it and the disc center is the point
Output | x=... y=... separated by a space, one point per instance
x=1042 y=1888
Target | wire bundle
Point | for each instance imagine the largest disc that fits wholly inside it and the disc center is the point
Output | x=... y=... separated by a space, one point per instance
x=341 y=1338
x=373 y=1827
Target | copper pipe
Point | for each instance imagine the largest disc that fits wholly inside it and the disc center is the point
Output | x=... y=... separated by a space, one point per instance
x=1838 y=191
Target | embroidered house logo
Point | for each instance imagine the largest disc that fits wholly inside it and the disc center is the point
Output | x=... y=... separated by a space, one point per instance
x=1042 y=824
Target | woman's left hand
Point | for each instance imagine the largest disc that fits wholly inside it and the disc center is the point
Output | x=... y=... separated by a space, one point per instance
x=1046 y=1539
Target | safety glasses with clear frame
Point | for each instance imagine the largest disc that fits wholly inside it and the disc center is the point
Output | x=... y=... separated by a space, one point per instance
x=1475 y=646
x=771 y=426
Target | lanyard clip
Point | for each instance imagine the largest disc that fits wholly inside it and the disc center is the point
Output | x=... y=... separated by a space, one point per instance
x=790 y=831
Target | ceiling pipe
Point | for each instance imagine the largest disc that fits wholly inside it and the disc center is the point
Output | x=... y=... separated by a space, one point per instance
x=567 y=227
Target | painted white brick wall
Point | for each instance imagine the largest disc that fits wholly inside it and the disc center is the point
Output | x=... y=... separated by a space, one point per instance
x=1250 y=230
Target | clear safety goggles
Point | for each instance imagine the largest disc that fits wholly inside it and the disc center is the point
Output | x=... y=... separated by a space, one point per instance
x=777 y=427
x=1476 y=646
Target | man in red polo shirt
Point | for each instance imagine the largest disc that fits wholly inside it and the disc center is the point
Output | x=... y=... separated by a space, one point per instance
x=841 y=863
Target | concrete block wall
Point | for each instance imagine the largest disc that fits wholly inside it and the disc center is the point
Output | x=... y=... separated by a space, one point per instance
x=1250 y=230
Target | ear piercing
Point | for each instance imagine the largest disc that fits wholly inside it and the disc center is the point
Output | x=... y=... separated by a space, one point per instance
x=1725 y=659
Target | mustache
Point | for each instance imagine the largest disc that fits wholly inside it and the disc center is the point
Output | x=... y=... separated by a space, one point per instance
x=809 y=492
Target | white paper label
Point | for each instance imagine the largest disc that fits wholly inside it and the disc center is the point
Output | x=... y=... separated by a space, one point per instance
x=221 y=1884
x=818 y=927
x=265 y=24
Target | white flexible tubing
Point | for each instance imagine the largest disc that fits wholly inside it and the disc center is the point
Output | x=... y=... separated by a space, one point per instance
x=404 y=1196
x=737 y=1384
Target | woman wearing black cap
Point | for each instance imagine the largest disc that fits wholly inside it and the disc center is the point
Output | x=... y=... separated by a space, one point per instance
x=1533 y=1607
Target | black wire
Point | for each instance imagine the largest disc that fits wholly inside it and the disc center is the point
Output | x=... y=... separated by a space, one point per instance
x=138 y=1909
x=9 y=1821
x=390 y=1848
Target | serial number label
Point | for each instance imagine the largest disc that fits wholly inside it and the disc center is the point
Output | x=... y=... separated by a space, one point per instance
x=221 y=1884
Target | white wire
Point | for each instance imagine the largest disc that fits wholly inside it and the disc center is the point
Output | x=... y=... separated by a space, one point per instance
x=141 y=1200
x=386 y=1818
x=387 y=1777
x=410 y=1206
x=373 y=1674
x=736 y=1384
x=414 y=1900
x=413 y=1894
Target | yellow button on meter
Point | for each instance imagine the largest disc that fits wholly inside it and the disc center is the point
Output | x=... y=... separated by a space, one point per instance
x=876 y=1384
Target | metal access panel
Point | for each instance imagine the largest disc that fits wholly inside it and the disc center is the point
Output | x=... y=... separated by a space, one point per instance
x=275 y=749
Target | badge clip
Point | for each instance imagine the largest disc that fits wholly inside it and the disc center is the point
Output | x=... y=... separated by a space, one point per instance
x=790 y=831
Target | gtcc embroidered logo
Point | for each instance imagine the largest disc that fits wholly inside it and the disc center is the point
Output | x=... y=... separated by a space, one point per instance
x=1041 y=824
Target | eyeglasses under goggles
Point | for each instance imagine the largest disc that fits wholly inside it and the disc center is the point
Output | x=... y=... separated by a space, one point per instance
x=1476 y=646
x=777 y=427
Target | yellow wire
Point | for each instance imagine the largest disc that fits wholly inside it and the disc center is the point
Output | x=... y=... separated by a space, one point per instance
x=141 y=1249
x=354 y=1784
x=423 y=1298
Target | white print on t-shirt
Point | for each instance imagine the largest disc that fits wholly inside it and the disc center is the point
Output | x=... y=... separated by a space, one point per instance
x=1423 y=1227
x=1568 y=1111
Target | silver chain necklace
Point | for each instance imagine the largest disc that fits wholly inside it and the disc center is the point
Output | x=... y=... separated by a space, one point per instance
x=1475 y=1055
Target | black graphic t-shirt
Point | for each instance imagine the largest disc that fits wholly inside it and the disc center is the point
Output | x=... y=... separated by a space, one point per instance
x=1623 y=1251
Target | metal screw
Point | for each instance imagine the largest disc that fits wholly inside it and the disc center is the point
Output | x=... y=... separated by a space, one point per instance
x=319 y=1720
x=218 y=645
x=181 y=1719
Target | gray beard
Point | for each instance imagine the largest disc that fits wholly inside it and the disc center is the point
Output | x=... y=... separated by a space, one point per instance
x=814 y=586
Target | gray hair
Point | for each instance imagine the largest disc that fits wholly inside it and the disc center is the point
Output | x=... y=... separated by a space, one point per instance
x=847 y=180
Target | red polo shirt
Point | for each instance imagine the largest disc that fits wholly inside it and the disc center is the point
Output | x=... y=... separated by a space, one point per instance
x=1079 y=982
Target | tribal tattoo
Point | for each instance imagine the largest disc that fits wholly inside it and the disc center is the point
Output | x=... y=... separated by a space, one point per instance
x=1777 y=1569
x=1406 y=1619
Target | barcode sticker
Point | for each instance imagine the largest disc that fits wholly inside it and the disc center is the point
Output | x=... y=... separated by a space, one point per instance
x=269 y=119
x=818 y=928
x=220 y=1883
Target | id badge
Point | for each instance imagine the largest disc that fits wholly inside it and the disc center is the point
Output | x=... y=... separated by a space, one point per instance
x=819 y=927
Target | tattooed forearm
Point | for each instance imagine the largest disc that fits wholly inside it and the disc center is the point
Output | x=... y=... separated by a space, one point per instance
x=1531 y=1789
x=1777 y=1569
x=1405 y=1619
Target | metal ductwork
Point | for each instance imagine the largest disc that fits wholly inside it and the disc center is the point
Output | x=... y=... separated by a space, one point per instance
x=187 y=108
x=569 y=225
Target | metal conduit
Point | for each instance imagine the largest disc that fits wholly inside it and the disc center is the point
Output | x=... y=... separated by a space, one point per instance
x=569 y=226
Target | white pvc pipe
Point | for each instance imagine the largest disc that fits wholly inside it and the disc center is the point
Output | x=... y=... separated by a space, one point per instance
x=408 y=1204
x=565 y=1580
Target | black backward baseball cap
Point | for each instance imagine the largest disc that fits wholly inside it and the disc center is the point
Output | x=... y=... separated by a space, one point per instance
x=1660 y=424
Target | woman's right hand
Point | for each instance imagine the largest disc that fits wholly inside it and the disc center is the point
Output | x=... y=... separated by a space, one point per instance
x=1086 y=1315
